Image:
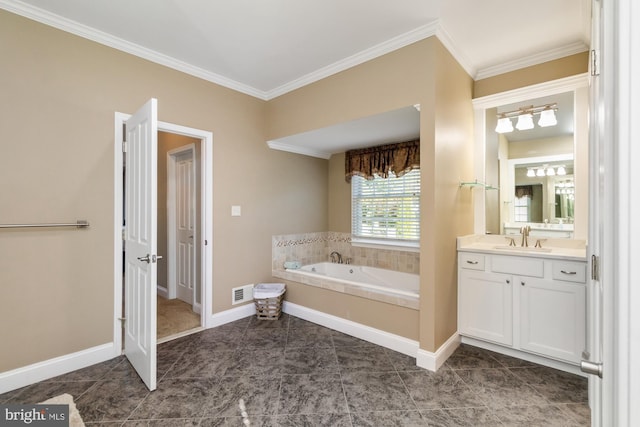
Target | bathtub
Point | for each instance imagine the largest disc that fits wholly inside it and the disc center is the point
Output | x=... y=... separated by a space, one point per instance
x=389 y=282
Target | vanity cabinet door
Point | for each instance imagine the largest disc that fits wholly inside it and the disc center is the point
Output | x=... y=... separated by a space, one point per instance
x=552 y=318
x=485 y=306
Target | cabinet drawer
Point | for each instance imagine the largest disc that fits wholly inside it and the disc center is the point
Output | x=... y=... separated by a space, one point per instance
x=517 y=265
x=471 y=261
x=569 y=271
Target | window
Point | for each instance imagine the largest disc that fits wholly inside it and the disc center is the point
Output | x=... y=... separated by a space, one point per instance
x=386 y=210
x=521 y=208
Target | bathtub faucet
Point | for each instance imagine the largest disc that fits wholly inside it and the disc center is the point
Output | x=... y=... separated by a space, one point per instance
x=336 y=257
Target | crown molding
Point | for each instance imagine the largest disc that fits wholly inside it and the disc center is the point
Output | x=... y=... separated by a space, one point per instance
x=449 y=44
x=528 y=61
x=84 y=31
x=277 y=145
x=373 y=52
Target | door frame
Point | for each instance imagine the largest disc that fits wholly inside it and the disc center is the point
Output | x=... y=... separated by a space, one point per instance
x=206 y=219
x=172 y=254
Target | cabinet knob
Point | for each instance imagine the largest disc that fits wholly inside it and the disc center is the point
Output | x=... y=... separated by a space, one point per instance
x=522 y=283
x=508 y=281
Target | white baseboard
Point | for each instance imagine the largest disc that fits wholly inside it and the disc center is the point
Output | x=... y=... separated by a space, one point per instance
x=162 y=291
x=230 y=315
x=433 y=361
x=26 y=375
x=358 y=330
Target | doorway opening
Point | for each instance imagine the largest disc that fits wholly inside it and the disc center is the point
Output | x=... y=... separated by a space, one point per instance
x=179 y=291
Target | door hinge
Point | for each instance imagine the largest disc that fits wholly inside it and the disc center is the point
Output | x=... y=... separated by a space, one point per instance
x=124 y=234
x=122 y=320
x=595 y=62
x=124 y=146
x=595 y=270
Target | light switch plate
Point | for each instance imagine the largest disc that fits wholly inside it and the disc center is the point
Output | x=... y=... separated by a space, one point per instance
x=236 y=210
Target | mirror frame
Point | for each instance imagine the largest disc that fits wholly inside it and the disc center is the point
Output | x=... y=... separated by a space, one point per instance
x=579 y=84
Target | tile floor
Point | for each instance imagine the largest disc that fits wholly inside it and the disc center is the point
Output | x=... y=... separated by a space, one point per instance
x=292 y=372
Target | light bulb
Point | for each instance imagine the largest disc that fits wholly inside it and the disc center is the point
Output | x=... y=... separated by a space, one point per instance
x=561 y=170
x=547 y=118
x=525 y=121
x=504 y=125
x=550 y=172
x=530 y=172
x=540 y=172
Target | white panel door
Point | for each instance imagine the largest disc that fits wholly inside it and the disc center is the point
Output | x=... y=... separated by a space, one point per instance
x=185 y=221
x=141 y=241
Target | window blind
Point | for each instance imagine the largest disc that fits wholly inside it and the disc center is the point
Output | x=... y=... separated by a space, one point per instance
x=386 y=208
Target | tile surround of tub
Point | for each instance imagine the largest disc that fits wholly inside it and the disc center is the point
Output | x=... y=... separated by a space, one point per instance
x=311 y=248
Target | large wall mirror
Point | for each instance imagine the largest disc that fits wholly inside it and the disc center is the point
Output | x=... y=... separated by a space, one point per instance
x=537 y=173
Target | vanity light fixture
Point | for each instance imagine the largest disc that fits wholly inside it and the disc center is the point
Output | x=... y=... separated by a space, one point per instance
x=525 y=121
x=540 y=171
x=504 y=125
x=547 y=117
x=525 y=117
x=531 y=173
x=550 y=171
x=561 y=170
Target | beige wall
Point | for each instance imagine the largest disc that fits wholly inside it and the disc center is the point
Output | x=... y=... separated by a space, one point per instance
x=541 y=147
x=540 y=73
x=339 y=196
x=422 y=73
x=448 y=211
x=59 y=95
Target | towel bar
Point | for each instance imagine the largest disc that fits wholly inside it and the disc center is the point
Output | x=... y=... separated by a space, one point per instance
x=81 y=223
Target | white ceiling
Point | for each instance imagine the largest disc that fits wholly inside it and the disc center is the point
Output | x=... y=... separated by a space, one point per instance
x=268 y=48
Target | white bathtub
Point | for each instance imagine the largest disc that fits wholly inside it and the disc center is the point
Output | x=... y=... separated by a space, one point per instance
x=377 y=279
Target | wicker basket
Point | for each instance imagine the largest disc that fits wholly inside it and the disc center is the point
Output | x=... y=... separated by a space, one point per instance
x=268 y=300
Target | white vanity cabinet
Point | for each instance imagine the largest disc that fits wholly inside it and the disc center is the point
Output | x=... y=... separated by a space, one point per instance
x=533 y=304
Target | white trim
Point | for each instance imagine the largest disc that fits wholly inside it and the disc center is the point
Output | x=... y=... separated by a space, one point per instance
x=566 y=84
x=539 y=90
x=531 y=357
x=447 y=41
x=162 y=291
x=30 y=374
x=433 y=361
x=276 y=145
x=231 y=315
x=385 y=339
x=206 y=154
x=373 y=52
x=528 y=61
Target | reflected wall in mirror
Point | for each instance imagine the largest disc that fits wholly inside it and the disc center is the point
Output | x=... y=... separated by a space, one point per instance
x=528 y=164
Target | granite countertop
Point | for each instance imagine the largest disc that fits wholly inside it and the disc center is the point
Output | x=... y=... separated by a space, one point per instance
x=567 y=249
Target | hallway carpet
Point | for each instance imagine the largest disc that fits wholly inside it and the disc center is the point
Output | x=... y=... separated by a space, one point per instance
x=175 y=316
x=291 y=372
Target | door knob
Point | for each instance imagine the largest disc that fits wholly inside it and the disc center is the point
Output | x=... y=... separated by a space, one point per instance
x=154 y=258
x=144 y=259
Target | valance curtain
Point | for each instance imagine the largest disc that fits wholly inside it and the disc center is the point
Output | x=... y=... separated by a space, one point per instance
x=524 y=190
x=398 y=158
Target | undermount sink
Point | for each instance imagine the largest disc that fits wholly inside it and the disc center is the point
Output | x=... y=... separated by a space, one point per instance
x=521 y=248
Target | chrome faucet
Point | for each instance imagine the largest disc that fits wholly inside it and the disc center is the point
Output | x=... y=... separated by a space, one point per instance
x=525 y=234
x=336 y=257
